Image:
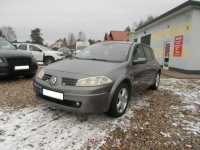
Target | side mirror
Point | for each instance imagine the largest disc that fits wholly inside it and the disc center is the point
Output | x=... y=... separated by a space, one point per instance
x=39 y=50
x=139 y=61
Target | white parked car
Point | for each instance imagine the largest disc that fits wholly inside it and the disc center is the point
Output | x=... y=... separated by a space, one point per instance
x=41 y=53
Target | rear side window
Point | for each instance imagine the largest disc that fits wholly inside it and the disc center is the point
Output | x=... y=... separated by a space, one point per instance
x=147 y=52
x=152 y=54
x=138 y=53
x=22 y=47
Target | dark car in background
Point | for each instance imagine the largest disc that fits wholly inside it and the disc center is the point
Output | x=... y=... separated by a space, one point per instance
x=66 y=52
x=101 y=78
x=16 y=62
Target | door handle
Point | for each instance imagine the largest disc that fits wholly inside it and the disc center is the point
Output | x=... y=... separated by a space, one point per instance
x=154 y=64
x=147 y=67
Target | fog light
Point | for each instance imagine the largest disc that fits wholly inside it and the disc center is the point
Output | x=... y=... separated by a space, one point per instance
x=77 y=104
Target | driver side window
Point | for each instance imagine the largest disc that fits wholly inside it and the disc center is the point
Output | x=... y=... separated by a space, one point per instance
x=33 y=48
x=138 y=53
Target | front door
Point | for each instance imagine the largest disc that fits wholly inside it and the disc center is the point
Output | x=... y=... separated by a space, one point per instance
x=137 y=72
x=166 y=55
x=37 y=52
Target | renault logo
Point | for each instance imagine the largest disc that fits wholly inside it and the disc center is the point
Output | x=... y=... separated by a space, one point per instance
x=54 y=80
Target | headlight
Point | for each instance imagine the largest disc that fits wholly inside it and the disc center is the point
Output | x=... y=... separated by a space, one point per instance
x=93 y=81
x=34 y=59
x=1 y=60
x=59 y=54
x=40 y=74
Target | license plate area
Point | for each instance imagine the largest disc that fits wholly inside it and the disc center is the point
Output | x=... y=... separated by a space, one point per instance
x=52 y=94
x=16 y=68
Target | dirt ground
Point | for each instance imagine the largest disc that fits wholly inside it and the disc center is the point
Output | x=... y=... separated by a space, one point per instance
x=168 y=118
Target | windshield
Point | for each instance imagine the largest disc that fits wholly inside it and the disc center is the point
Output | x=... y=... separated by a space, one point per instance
x=43 y=48
x=64 y=50
x=81 y=47
x=4 y=44
x=106 y=52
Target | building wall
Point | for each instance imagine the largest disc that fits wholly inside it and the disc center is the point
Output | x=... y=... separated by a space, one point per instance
x=194 y=53
x=57 y=44
x=179 y=25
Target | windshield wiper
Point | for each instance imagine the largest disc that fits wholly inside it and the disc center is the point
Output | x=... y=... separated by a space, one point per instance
x=77 y=57
x=98 y=59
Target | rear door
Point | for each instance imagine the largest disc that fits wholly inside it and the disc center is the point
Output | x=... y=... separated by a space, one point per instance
x=151 y=67
x=37 y=52
x=137 y=72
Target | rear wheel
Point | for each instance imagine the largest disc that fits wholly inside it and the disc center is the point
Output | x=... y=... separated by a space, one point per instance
x=49 y=60
x=120 y=101
x=156 y=82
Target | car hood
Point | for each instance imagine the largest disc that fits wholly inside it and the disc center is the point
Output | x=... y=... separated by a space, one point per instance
x=14 y=53
x=85 y=67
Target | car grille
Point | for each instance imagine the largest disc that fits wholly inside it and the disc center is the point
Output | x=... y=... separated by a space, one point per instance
x=19 y=61
x=68 y=81
x=61 y=102
x=46 y=77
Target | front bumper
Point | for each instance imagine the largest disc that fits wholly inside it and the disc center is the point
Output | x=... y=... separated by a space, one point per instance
x=58 y=58
x=91 y=99
x=6 y=69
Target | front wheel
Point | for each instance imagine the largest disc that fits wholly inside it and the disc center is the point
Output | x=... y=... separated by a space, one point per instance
x=120 y=101
x=156 y=82
x=49 y=60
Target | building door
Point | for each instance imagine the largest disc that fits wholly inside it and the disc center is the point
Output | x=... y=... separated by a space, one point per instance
x=146 y=39
x=166 y=55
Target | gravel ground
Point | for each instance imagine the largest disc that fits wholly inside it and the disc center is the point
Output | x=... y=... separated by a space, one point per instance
x=168 y=118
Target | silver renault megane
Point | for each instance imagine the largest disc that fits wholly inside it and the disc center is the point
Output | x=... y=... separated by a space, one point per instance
x=101 y=78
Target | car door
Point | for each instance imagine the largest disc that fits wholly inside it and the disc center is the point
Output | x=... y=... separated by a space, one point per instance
x=137 y=72
x=151 y=65
x=37 y=52
x=23 y=47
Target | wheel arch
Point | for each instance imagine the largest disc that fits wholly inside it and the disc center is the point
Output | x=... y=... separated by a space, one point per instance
x=46 y=56
x=122 y=79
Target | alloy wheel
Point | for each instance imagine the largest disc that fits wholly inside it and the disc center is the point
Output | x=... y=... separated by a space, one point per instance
x=157 y=80
x=122 y=100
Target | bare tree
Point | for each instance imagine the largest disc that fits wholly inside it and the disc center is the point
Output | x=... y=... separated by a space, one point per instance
x=71 y=39
x=82 y=36
x=8 y=33
x=141 y=22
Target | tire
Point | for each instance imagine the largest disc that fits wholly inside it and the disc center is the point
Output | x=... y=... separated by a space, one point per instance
x=156 y=82
x=118 y=107
x=49 y=60
x=29 y=75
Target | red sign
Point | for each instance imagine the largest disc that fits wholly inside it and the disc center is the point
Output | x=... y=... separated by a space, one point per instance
x=167 y=48
x=178 y=43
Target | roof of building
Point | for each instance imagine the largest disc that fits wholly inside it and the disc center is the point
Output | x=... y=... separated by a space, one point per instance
x=118 y=36
x=60 y=41
x=191 y=3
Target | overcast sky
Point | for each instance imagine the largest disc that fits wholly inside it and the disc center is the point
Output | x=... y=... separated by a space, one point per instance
x=58 y=18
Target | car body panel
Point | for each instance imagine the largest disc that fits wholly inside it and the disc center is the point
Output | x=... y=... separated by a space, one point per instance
x=40 y=54
x=96 y=98
x=13 y=58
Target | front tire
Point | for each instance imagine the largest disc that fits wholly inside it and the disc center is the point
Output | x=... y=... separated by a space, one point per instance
x=49 y=60
x=120 y=101
x=156 y=82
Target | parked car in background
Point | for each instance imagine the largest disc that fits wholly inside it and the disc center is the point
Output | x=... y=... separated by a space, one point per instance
x=81 y=46
x=66 y=52
x=16 y=62
x=101 y=78
x=41 y=53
